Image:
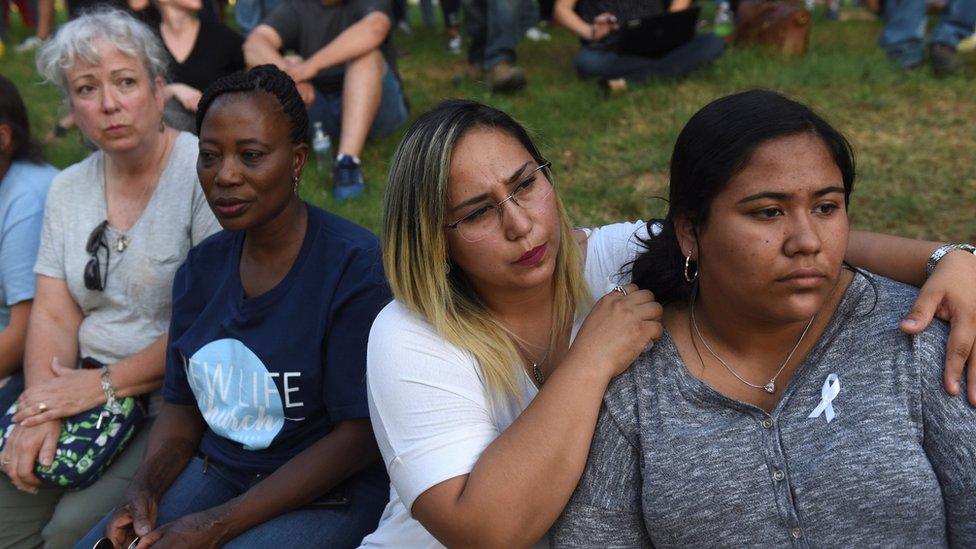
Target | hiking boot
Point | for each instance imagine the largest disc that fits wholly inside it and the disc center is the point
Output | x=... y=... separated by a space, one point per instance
x=347 y=178
x=505 y=77
x=944 y=59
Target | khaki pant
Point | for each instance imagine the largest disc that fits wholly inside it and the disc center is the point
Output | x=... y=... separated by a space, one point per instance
x=57 y=519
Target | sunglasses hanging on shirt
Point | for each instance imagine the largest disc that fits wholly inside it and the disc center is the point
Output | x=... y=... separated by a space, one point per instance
x=95 y=276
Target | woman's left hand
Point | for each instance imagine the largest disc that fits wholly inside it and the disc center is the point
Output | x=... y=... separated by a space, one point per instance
x=71 y=391
x=204 y=530
x=950 y=294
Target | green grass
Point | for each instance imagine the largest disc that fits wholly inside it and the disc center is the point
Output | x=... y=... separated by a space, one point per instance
x=915 y=135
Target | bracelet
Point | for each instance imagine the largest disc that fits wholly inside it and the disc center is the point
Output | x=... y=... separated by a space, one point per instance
x=941 y=252
x=111 y=401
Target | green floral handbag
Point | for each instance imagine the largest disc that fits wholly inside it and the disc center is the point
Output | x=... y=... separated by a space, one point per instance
x=88 y=444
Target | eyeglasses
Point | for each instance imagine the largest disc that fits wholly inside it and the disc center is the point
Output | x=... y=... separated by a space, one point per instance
x=530 y=194
x=94 y=278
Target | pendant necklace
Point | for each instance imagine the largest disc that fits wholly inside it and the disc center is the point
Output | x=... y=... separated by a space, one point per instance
x=537 y=374
x=769 y=387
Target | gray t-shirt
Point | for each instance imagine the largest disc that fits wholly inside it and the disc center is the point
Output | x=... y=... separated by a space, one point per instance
x=674 y=463
x=134 y=309
x=306 y=26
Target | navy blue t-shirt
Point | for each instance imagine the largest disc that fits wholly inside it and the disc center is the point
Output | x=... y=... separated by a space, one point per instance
x=272 y=374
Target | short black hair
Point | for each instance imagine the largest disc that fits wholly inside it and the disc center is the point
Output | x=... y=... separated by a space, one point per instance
x=13 y=113
x=267 y=78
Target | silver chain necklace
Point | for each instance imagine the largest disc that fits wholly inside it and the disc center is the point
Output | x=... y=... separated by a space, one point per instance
x=769 y=387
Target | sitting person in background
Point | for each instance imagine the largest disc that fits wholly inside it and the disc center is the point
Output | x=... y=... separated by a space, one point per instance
x=278 y=306
x=24 y=180
x=783 y=406
x=116 y=227
x=201 y=50
x=346 y=75
x=596 y=23
x=903 y=37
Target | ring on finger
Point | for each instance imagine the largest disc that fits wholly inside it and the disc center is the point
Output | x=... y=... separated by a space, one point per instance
x=41 y=407
x=619 y=288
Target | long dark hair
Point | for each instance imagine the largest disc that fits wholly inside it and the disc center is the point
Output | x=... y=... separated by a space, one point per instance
x=13 y=113
x=713 y=147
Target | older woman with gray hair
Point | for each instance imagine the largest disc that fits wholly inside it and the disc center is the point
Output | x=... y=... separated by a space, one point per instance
x=116 y=227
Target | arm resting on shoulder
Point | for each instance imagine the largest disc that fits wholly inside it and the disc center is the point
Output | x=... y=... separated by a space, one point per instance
x=949 y=293
x=13 y=339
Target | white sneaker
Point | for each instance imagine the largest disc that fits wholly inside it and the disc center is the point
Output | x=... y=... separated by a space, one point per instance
x=535 y=34
x=454 y=45
x=404 y=26
x=31 y=43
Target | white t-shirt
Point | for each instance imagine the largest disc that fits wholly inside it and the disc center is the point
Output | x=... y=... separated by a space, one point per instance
x=431 y=411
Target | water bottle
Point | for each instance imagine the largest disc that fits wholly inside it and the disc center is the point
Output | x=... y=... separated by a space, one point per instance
x=723 y=19
x=322 y=147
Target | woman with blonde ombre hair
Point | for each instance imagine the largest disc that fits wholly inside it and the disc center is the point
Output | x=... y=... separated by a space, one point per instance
x=486 y=373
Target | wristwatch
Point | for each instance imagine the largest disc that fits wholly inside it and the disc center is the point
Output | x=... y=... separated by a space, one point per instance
x=941 y=251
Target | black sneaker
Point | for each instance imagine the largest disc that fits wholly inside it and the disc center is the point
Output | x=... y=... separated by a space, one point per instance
x=347 y=178
x=945 y=60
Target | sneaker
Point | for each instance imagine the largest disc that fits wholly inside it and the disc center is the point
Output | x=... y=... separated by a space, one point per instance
x=536 y=34
x=505 y=77
x=404 y=26
x=944 y=59
x=454 y=45
x=30 y=44
x=347 y=178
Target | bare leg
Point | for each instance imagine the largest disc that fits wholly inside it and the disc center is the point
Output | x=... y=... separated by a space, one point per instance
x=362 y=91
x=45 y=18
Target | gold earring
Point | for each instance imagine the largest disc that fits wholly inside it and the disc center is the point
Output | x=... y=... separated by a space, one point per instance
x=162 y=126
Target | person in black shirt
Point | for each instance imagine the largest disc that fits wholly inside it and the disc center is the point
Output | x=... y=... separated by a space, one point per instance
x=595 y=22
x=201 y=50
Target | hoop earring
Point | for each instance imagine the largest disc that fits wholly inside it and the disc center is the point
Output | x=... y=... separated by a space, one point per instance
x=295 y=181
x=162 y=126
x=447 y=267
x=689 y=278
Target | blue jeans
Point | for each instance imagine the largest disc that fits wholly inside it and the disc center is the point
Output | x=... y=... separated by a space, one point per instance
x=903 y=37
x=494 y=27
x=204 y=485
x=605 y=64
x=391 y=114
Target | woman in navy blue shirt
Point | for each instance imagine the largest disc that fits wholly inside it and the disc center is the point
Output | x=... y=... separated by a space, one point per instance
x=264 y=438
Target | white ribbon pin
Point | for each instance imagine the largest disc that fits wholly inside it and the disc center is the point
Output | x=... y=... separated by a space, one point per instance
x=830 y=390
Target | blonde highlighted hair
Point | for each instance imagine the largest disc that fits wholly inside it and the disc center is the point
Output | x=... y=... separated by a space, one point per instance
x=415 y=245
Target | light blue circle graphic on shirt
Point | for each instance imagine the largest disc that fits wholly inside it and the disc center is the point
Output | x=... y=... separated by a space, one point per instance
x=236 y=393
